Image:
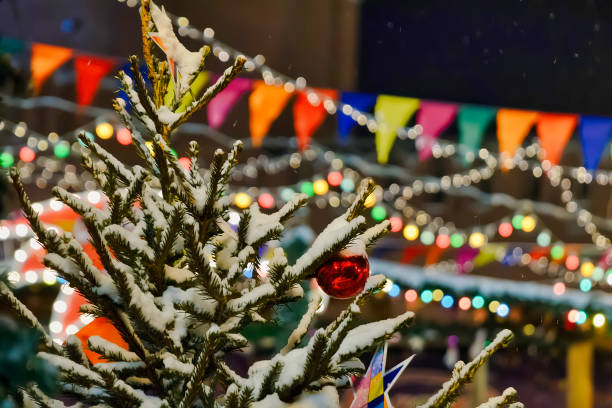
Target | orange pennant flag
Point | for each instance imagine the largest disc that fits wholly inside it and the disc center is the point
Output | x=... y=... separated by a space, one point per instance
x=89 y=72
x=45 y=60
x=104 y=328
x=308 y=115
x=554 y=131
x=433 y=255
x=266 y=103
x=512 y=127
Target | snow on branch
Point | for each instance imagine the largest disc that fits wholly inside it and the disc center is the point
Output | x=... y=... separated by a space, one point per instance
x=302 y=328
x=508 y=397
x=464 y=373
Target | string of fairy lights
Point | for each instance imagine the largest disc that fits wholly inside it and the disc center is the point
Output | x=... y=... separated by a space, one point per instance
x=414 y=298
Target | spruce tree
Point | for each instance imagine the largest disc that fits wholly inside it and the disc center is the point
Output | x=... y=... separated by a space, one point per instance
x=172 y=282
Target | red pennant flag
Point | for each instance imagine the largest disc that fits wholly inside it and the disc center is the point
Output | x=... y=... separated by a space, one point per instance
x=411 y=253
x=89 y=73
x=309 y=114
x=45 y=60
x=554 y=131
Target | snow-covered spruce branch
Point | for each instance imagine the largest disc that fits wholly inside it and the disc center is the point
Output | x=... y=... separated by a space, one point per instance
x=464 y=373
x=508 y=397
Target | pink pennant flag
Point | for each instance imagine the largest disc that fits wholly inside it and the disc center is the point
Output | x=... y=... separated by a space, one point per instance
x=220 y=105
x=434 y=117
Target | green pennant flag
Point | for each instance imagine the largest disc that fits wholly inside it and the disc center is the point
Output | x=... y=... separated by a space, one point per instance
x=391 y=113
x=472 y=122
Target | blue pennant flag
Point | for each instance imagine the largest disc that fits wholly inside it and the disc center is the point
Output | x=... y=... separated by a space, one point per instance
x=363 y=102
x=128 y=71
x=595 y=133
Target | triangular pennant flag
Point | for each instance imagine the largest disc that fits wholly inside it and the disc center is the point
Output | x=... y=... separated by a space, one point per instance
x=266 y=102
x=472 y=122
x=513 y=126
x=433 y=255
x=144 y=71
x=594 y=135
x=362 y=102
x=434 y=117
x=11 y=45
x=89 y=72
x=554 y=131
x=45 y=60
x=218 y=108
x=101 y=327
x=308 y=116
x=391 y=113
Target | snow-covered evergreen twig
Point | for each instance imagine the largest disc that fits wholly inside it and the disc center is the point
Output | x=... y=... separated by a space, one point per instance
x=463 y=373
x=508 y=397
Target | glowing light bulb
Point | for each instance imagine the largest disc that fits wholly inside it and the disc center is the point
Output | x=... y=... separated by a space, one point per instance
x=320 y=187
x=124 y=136
x=586 y=269
x=411 y=295
x=426 y=296
x=242 y=200
x=396 y=224
x=557 y=252
x=478 y=302
x=505 y=229
x=443 y=241
x=104 y=130
x=457 y=240
x=464 y=303
x=572 y=262
x=599 y=320
x=378 y=213
x=438 y=294
x=477 y=239
x=411 y=232
x=528 y=223
x=559 y=288
x=543 y=239
x=334 y=178
x=266 y=200
x=26 y=154
x=493 y=306
x=307 y=188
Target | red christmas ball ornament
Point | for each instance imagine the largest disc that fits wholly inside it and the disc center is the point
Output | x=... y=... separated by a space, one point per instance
x=344 y=276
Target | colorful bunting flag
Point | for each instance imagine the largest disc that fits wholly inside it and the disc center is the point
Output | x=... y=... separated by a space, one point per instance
x=89 y=72
x=465 y=255
x=373 y=389
x=220 y=105
x=554 y=131
x=595 y=133
x=513 y=126
x=472 y=122
x=104 y=328
x=391 y=113
x=307 y=116
x=434 y=117
x=266 y=103
x=362 y=102
x=433 y=255
x=45 y=60
x=11 y=45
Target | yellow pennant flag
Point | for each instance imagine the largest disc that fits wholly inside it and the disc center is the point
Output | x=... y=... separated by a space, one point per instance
x=391 y=113
x=45 y=60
